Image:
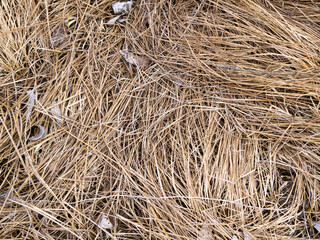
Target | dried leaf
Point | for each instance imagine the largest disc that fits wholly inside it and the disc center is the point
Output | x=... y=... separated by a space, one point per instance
x=134 y=59
x=247 y=236
x=121 y=7
x=178 y=81
x=59 y=35
x=30 y=102
x=121 y=20
x=113 y=21
x=42 y=133
x=105 y=223
x=316 y=225
x=56 y=113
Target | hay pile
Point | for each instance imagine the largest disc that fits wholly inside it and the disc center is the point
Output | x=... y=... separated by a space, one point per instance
x=215 y=137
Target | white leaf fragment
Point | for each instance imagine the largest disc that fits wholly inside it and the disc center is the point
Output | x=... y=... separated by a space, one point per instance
x=121 y=7
x=42 y=133
x=204 y=234
x=30 y=102
x=59 y=35
x=56 y=113
x=113 y=21
x=134 y=59
x=316 y=225
x=69 y=21
x=121 y=20
x=105 y=223
x=234 y=237
x=247 y=236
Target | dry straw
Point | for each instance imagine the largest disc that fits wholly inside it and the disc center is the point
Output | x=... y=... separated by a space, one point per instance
x=220 y=131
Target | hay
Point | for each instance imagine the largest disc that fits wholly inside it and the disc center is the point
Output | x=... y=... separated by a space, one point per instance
x=219 y=132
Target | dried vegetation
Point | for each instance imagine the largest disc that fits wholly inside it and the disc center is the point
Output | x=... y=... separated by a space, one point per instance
x=216 y=136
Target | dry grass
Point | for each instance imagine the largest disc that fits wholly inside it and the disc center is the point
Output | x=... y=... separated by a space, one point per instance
x=218 y=134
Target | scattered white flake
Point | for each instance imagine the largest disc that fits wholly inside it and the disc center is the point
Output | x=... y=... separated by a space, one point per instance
x=247 y=236
x=121 y=7
x=234 y=237
x=134 y=59
x=30 y=102
x=59 y=35
x=122 y=19
x=105 y=223
x=113 y=21
x=41 y=134
x=204 y=234
x=179 y=82
x=316 y=225
x=69 y=21
x=56 y=113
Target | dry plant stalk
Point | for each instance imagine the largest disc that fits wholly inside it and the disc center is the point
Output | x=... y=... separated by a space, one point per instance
x=222 y=127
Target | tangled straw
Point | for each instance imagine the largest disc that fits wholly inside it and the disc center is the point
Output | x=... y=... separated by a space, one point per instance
x=217 y=137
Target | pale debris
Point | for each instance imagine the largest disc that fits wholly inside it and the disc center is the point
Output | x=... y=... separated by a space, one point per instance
x=59 y=35
x=121 y=7
x=105 y=223
x=234 y=237
x=41 y=134
x=30 y=102
x=204 y=234
x=316 y=225
x=247 y=236
x=113 y=21
x=134 y=59
x=70 y=20
x=121 y=20
x=56 y=112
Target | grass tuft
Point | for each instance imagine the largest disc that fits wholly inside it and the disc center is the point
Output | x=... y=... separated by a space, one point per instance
x=217 y=137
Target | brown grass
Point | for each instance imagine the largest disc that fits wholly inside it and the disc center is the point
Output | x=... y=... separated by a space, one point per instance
x=219 y=134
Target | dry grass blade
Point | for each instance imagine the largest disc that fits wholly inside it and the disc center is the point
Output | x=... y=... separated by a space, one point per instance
x=216 y=124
